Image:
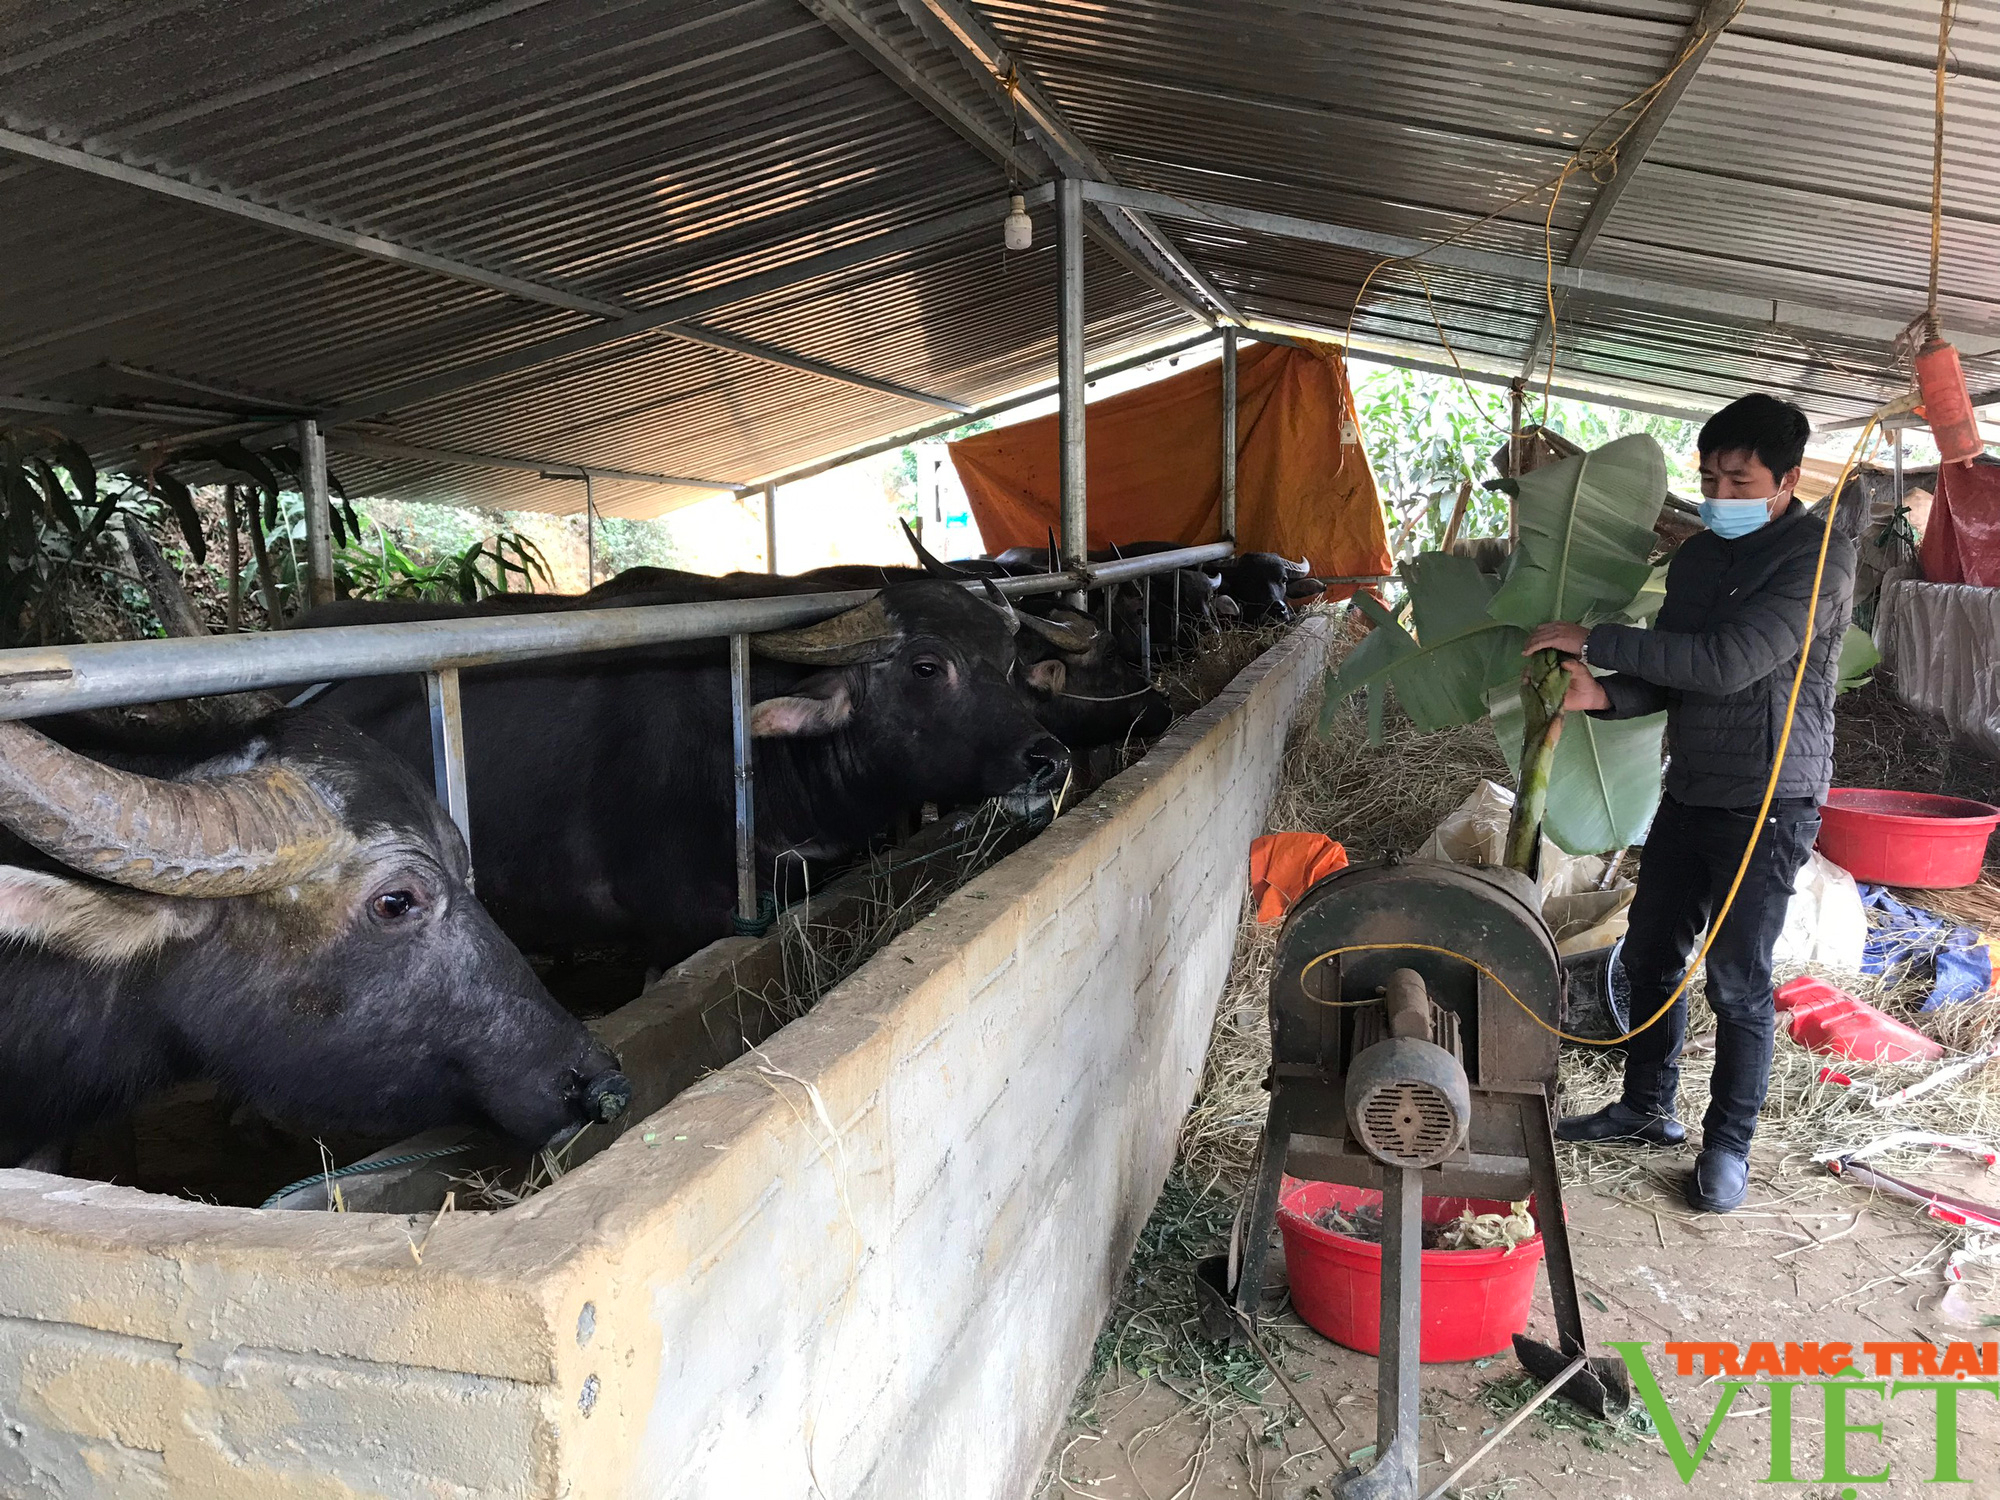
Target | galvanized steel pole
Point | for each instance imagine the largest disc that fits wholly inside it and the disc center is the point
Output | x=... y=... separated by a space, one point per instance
x=746 y=811
x=319 y=529
x=770 y=528
x=1229 y=434
x=1069 y=370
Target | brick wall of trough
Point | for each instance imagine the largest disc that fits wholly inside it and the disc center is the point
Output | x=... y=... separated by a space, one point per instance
x=866 y=1259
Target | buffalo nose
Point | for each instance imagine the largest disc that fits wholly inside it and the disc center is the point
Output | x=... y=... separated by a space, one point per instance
x=607 y=1097
x=1048 y=761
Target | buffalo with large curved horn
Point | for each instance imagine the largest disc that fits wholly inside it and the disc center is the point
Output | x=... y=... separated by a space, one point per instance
x=234 y=834
x=868 y=632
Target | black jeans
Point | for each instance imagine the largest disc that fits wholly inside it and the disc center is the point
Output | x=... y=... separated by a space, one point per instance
x=1684 y=872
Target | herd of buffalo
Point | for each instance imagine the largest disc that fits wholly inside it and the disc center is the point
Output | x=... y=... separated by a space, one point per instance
x=280 y=905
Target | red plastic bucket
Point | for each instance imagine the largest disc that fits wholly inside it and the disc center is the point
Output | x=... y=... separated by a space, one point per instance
x=1906 y=838
x=1474 y=1301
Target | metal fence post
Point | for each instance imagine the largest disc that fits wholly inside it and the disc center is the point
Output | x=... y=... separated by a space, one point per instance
x=770 y=528
x=319 y=529
x=1229 y=433
x=1069 y=371
x=746 y=811
x=589 y=530
x=448 y=747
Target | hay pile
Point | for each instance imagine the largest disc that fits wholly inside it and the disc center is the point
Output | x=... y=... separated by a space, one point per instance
x=1881 y=741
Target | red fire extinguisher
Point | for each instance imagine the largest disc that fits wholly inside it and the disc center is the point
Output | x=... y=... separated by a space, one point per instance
x=1947 y=404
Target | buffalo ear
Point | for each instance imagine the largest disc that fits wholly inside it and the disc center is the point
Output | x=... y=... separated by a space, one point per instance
x=1047 y=677
x=821 y=705
x=100 y=924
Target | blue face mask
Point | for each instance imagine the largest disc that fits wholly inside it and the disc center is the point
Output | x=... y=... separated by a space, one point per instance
x=1734 y=518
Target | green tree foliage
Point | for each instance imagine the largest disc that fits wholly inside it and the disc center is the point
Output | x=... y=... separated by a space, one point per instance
x=1426 y=434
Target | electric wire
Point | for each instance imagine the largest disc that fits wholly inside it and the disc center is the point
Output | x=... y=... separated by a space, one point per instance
x=1749 y=848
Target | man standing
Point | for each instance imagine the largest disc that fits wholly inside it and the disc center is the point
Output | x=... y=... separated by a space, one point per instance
x=1720 y=660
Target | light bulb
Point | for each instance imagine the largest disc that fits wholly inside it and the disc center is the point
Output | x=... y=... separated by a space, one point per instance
x=1017 y=230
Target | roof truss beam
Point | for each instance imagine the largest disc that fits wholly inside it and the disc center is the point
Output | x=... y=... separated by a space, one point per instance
x=377 y=248
x=1692 y=302
x=956 y=28
x=1056 y=149
x=1707 y=28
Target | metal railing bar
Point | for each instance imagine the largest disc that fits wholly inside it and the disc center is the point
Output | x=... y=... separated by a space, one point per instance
x=38 y=680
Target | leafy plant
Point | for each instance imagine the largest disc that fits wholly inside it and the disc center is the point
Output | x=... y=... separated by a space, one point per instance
x=511 y=552
x=1585 y=533
x=51 y=514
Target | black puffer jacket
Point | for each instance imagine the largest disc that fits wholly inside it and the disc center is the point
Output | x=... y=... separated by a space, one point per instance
x=1720 y=659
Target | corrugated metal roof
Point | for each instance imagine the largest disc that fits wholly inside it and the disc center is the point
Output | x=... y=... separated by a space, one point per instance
x=1795 y=166
x=631 y=155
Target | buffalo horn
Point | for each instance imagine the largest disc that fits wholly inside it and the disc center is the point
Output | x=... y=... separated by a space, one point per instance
x=937 y=567
x=865 y=633
x=1300 y=569
x=1005 y=605
x=230 y=835
x=1077 y=633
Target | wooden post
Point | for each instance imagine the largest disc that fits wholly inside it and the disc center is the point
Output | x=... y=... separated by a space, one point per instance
x=1516 y=454
x=235 y=562
x=267 y=584
x=1457 y=514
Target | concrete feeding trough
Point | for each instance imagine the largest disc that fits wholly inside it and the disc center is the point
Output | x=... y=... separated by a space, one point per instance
x=871 y=1254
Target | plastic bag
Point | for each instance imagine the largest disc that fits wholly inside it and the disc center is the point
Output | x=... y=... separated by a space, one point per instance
x=1475 y=833
x=1826 y=926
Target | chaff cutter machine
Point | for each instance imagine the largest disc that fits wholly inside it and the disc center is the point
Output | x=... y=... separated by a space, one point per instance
x=1400 y=1061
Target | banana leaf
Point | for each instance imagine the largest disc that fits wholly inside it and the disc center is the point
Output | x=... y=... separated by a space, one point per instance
x=1646 y=603
x=1858 y=658
x=1443 y=673
x=1586 y=528
x=1604 y=783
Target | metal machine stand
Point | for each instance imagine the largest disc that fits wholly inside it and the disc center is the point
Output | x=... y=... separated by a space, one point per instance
x=1399 y=1063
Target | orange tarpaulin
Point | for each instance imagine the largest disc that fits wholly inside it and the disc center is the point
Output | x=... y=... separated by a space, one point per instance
x=1284 y=866
x=1153 y=462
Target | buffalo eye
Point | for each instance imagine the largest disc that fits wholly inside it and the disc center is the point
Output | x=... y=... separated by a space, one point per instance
x=393 y=906
x=926 y=667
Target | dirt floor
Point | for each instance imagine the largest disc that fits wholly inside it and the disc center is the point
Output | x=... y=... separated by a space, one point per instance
x=1165 y=1414
x=1792 y=1265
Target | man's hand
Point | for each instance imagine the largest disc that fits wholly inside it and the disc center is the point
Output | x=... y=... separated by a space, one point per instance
x=1585 y=691
x=1557 y=635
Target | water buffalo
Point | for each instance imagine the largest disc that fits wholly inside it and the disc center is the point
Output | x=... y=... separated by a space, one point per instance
x=601 y=785
x=284 y=910
x=1099 y=698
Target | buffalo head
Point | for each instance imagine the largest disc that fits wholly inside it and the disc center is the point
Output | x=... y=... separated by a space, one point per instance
x=1084 y=691
x=287 y=912
x=919 y=679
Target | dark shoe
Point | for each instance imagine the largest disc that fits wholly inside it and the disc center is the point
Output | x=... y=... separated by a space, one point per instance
x=1619 y=1125
x=1719 y=1182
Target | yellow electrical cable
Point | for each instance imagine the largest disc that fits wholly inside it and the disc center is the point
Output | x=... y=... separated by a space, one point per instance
x=1749 y=849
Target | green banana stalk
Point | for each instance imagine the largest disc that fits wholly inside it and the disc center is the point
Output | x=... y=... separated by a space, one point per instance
x=1543 y=686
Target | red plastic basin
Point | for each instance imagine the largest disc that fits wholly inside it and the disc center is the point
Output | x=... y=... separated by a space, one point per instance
x=1474 y=1301
x=1906 y=838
